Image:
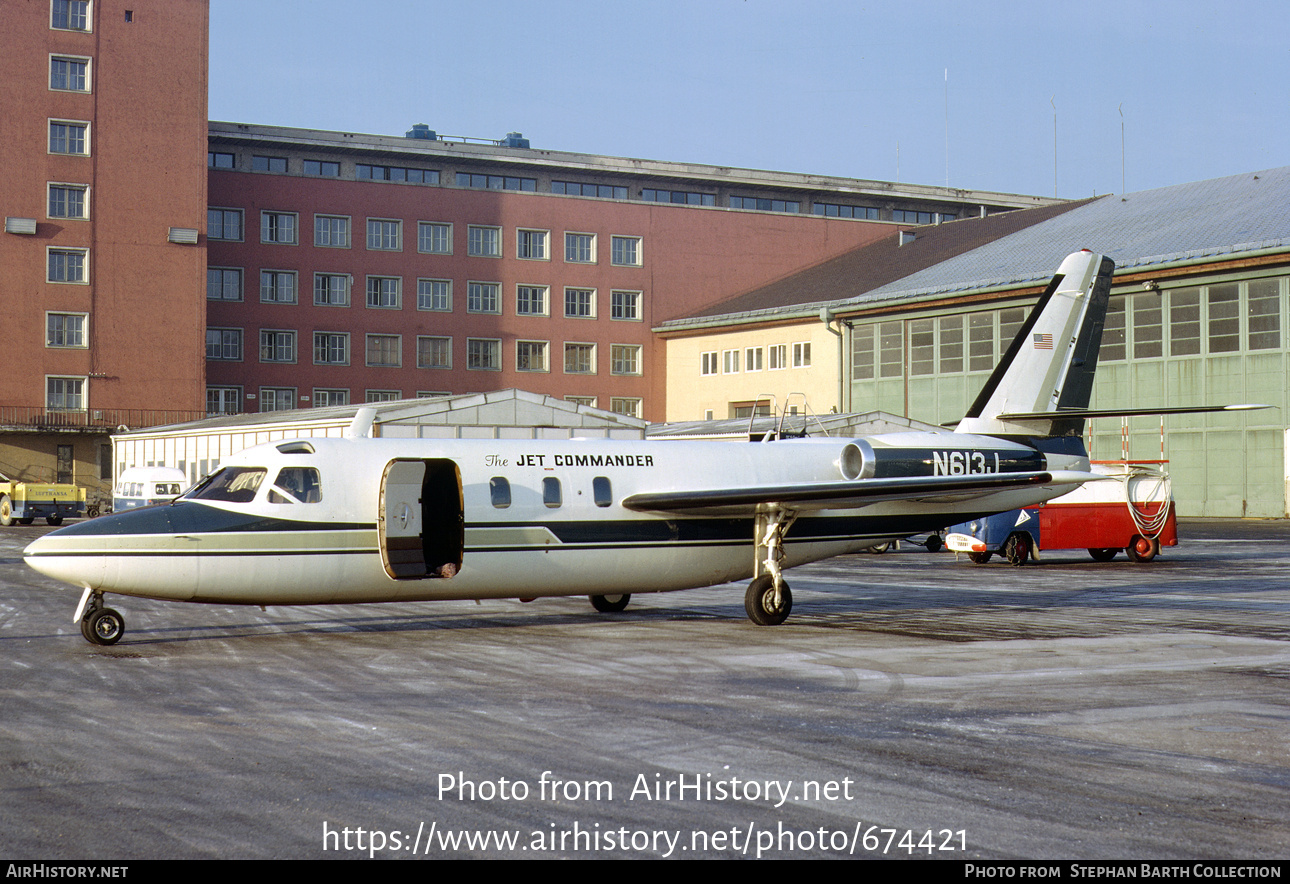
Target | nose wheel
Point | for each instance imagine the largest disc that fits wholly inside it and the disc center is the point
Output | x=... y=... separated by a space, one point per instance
x=100 y=625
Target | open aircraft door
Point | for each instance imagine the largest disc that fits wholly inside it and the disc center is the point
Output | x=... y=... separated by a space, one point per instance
x=421 y=523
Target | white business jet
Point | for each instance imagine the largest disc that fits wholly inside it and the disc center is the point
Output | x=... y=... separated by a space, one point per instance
x=362 y=519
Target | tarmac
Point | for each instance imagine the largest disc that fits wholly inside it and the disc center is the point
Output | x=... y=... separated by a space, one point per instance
x=913 y=705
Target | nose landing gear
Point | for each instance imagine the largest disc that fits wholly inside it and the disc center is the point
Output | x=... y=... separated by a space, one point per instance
x=99 y=624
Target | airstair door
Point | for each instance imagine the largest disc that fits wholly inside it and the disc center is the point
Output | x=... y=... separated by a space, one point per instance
x=421 y=523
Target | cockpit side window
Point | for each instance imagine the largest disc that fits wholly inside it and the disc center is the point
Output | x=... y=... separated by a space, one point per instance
x=296 y=485
x=231 y=484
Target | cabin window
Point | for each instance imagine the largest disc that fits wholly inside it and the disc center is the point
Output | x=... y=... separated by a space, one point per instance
x=499 y=490
x=551 y=492
x=601 y=491
x=296 y=485
x=231 y=484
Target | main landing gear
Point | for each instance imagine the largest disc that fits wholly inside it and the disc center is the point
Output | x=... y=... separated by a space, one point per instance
x=100 y=625
x=768 y=600
x=609 y=604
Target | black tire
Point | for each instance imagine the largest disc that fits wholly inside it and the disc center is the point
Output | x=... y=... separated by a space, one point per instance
x=26 y=520
x=879 y=549
x=54 y=520
x=979 y=558
x=103 y=627
x=1103 y=555
x=1016 y=549
x=934 y=543
x=757 y=602
x=1143 y=549
x=6 y=511
x=609 y=604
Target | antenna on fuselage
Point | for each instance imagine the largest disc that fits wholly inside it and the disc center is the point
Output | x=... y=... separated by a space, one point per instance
x=361 y=426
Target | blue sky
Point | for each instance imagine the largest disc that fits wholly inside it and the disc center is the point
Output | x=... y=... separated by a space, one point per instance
x=817 y=86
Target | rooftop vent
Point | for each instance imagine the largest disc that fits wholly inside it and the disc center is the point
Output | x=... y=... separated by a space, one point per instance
x=906 y=237
x=423 y=132
x=514 y=139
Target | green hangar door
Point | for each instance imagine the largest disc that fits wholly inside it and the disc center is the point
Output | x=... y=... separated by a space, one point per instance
x=421 y=523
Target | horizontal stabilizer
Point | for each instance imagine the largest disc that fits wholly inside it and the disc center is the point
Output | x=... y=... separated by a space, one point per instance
x=1125 y=412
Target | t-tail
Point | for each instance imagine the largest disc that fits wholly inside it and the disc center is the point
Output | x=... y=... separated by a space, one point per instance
x=1042 y=385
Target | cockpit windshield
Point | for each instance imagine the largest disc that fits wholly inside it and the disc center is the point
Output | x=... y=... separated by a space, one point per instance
x=231 y=484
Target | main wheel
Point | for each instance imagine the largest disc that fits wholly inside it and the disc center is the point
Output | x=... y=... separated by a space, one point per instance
x=6 y=511
x=979 y=558
x=934 y=543
x=103 y=627
x=879 y=549
x=1016 y=549
x=1143 y=549
x=759 y=602
x=1103 y=555
x=608 y=604
x=54 y=520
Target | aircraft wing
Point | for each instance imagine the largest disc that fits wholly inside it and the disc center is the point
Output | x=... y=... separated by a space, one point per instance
x=847 y=495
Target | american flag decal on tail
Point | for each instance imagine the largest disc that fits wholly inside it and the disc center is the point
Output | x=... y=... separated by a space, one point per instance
x=1043 y=342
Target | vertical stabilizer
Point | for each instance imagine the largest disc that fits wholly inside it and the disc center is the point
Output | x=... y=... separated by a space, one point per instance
x=1050 y=364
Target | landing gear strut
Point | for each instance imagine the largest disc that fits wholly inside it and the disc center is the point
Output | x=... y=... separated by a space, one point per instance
x=100 y=625
x=768 y=600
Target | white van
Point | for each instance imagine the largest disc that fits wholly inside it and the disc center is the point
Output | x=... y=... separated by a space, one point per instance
x=143 y=486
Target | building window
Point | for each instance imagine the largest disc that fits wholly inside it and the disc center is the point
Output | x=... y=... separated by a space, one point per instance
x=223 y=400
x=922 y=347
x=331 y=289
x=65 y=330
x=1114 y=346
x=385 y=351
x=484 y=242
x=579 y=358
x=761 y=204
x=68 y=265
x=277 y=346
x=223 y=284
x=981 y=339
x=224 y=344
x=709 y=363
x=331 y=231
x=495 y=182
x=580 y=303
x=1264 y=314
x=531 y=300
x=434 y=294
x=269 y=164
x=364 y=172
x=483 y=297
x=752 y=359
x=434 y=352
x=729 y=361
x=483 y=355
x=219 y=160
x=831 y=210
x=891 y=349
x=277 y=398
x=906 y=216
x=1147 y=319
x=1184 y=322
x=278 y=227
x=225 y=224
x=277 y=287
x=325 y=398
x=324 y=169
x=863 y=351
x=331 y=348
x=602 y=191
x=624 y=305
x=777 y=356
x=679 y=197
x=626 y=359
x=531 y=356
x=384 y=395
x=68 y=201
x=580 y=248
x=434 y=238
x=626 y=251
x=531 y=244
x=949 y=333
x=589 y=401
x=385 y=292
x=1224 y=316
x=65 y=394
x=70 y=15
x=384 y=235
x=69 y=137
x=69 y=74
x=628 y=407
